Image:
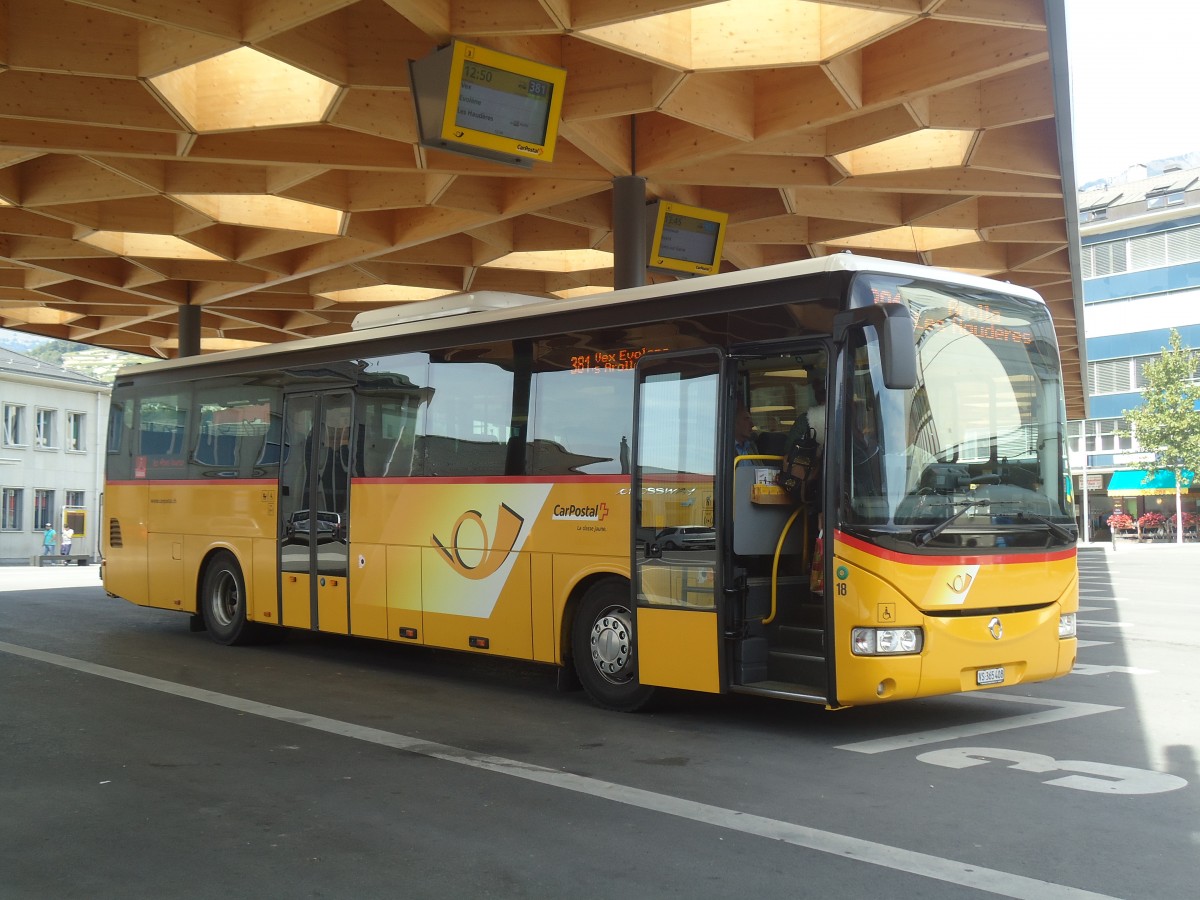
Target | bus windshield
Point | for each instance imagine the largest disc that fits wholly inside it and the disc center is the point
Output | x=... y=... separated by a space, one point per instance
x=972 y=455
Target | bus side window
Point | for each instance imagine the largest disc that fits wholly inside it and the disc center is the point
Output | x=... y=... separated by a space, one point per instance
x=269 y=454
x=162 y=433
x=582 y=420
x=120 y=439
x=233 y=424
x=470 y=418
x=387 y=438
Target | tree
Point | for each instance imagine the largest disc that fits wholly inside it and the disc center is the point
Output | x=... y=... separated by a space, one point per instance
x=1168 y=421
x=51 y=351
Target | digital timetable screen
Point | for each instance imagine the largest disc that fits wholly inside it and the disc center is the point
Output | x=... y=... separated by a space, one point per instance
x=503 y=103
x=687 y=240
x=487 y=104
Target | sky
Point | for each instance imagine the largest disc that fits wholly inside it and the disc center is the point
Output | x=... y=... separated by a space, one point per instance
x=1133 y=82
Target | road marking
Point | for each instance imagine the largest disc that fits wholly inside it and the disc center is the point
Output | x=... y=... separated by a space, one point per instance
x=1006 y=884
x=1061 y=710
x=1093 y=609
x=1094 y=624
x=1082 y=643
x=1087 y=669
x=1097 y=777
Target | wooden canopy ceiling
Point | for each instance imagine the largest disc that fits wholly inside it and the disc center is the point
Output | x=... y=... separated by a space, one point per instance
x=259 y=158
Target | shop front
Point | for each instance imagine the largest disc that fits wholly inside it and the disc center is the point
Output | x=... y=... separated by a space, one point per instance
x=1143 y=504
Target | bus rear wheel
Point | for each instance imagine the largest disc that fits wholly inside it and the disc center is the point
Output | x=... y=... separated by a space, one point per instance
x=604 y=648
x=223 y=601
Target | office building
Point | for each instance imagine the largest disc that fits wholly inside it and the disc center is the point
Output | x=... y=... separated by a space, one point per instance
x=1140 y=260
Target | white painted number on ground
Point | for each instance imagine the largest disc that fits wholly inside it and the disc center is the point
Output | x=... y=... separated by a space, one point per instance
x=1101 y=778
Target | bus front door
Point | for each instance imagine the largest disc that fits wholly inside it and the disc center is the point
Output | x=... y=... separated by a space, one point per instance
x=314 y=506
x=676 y=506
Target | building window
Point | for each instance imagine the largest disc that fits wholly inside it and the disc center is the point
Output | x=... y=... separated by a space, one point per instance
x=1145 y=251
x=1159 y=201
x=10 y=509
x=45 y=436
x=43 y=508
x=14 y=425
x=1122 y=376
x=1099 y=436
x=1110 y=376
x=76 y=430
x=1109 y=437
x=74 y=498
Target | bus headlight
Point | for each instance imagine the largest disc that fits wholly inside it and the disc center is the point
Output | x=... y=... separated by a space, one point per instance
x=886 y=641
x=1066 y=625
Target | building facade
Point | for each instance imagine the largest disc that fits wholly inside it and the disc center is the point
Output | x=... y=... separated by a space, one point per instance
x=1140 y=260
x=52 y=447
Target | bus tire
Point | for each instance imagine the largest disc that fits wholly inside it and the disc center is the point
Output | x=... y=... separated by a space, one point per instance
x=223 y=601
x=604 y=648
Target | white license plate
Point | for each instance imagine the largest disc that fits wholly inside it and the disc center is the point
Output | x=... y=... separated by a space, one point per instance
x=990 y=676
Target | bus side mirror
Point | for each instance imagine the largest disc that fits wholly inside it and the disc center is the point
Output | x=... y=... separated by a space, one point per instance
x=892 y=322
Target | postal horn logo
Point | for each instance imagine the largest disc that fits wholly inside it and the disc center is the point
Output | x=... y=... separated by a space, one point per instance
x=960 y=583
x=508 y=527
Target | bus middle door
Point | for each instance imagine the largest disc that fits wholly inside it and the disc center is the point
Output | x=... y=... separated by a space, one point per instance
x=677 y=506
x=314 y=506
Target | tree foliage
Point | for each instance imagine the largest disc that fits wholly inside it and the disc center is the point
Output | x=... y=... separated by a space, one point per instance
x=51 y=351
x=1168 y=421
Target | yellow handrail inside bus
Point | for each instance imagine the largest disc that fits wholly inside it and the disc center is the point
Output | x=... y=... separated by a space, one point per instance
x=779 y=550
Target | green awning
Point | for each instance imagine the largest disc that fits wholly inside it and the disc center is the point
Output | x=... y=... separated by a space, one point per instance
x=1139 y=483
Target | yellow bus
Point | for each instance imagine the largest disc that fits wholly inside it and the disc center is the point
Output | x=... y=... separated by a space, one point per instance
x=575 y=482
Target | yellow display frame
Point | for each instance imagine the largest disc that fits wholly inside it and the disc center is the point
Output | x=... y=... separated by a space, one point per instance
x=663 y=262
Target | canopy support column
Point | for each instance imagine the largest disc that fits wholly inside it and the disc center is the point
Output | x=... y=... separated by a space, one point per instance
x=629 y=231
x=189 y=330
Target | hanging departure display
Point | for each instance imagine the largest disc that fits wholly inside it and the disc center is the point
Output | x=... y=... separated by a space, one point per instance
x=484 y=103
x=686 y=240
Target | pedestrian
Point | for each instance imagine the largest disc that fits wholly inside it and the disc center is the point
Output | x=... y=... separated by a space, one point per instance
x=48 y=540
x=65 y=546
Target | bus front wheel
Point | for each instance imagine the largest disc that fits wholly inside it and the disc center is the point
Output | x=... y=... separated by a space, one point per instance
x=223 y=601
x=604 y=648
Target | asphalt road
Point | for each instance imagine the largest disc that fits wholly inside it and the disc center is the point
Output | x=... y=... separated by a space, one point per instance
x=142 y=760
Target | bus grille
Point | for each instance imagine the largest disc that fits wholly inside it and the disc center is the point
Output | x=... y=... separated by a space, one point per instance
x=114 y=533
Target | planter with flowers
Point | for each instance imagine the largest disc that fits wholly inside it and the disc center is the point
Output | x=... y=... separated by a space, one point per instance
x=1119 y=522
x=1189 y=524
x=1150 y=525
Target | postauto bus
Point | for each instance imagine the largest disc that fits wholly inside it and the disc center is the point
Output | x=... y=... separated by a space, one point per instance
x=556 y=480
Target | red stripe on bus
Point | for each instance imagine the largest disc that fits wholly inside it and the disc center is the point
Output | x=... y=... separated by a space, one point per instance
x=191 y=482
x=952 y=560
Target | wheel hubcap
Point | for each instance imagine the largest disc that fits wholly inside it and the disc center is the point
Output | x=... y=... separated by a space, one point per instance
x=612 y=645
x=225 y=600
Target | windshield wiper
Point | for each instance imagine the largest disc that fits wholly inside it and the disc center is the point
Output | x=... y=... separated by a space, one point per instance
x=925 y=535
x=1059 y=531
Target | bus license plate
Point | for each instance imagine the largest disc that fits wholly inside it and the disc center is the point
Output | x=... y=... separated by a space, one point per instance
x=990 y=676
